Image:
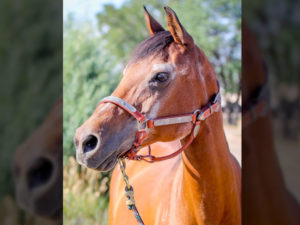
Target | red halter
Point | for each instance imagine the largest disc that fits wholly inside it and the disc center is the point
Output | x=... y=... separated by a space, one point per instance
x=144 y=124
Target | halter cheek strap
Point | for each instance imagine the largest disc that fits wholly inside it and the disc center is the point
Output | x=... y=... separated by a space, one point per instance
x=144 y=124
x=141 y=119
x=126 y=106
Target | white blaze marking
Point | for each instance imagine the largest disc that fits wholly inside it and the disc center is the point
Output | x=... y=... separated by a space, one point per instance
x=163 y=67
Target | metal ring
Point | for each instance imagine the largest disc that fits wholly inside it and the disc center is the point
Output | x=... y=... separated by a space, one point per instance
x=142 y=125
x=200 y=116
x=196 y=112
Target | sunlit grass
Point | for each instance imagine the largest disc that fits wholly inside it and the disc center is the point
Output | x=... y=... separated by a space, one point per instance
x=85 y=195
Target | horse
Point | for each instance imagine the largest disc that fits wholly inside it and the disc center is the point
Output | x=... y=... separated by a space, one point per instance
x=37 y=170
x=167 y=76
x=266 y=199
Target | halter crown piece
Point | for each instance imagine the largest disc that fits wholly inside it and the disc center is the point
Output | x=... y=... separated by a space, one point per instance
x=144 y=123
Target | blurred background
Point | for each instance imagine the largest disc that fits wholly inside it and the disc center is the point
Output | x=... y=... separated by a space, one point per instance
x=31 y=78
x=98 y=38
x=275 y=25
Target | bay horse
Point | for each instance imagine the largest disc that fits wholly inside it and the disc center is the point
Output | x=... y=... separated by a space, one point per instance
x=37 y=170
x=168 y=75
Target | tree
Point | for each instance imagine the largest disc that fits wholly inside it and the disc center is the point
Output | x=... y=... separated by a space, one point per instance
x=214 y=25
x=90 y=73
x=31 y=68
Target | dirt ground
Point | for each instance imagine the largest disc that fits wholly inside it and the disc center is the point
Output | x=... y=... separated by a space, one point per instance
x=234 y=139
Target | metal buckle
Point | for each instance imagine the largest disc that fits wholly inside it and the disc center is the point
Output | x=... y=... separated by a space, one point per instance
x=142 y=125
x=211 y=109
x=217 y=98
x=200 y=116
x=196 y=112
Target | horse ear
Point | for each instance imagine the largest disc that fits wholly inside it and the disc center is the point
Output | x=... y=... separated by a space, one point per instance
x=178 y=32
x=153 y=26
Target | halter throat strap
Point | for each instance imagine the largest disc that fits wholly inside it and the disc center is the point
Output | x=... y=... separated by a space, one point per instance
x=143 y=124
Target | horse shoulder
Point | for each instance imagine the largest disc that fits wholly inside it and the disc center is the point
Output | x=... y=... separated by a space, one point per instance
x=151 y=182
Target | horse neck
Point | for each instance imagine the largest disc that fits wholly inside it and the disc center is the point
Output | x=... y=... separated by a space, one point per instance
x=209 y=174
x=208 y=147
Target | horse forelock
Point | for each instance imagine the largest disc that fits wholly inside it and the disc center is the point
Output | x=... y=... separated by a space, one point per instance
x=152 y=45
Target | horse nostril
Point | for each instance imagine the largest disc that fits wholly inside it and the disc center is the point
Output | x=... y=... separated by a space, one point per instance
x=40 y=173
x=90 y=143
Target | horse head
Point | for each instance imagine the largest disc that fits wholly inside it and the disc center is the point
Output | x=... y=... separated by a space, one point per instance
x=167 y=75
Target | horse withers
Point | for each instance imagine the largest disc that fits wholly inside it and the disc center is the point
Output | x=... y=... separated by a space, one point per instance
x=168 y=75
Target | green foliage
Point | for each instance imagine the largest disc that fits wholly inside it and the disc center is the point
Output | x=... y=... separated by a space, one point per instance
x=85 y=195
x=31 y=68
x=90 y=73
x=278 y=34
x=123 y=28
x=215 y=26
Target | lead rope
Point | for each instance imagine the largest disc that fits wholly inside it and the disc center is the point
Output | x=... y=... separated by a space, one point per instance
x=129 y=193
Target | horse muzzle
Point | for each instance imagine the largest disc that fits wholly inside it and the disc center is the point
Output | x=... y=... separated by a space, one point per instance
x=100 y=151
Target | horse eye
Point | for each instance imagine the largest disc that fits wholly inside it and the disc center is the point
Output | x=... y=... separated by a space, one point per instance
x=161 y=77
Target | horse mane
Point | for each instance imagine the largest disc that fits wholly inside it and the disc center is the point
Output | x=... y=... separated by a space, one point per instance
x=152 y=45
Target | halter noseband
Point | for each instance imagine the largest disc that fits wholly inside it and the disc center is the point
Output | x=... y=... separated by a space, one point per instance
x=143 y=124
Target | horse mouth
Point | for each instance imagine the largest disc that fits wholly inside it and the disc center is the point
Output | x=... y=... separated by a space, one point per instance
x=107 y=164
x=110 y=162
